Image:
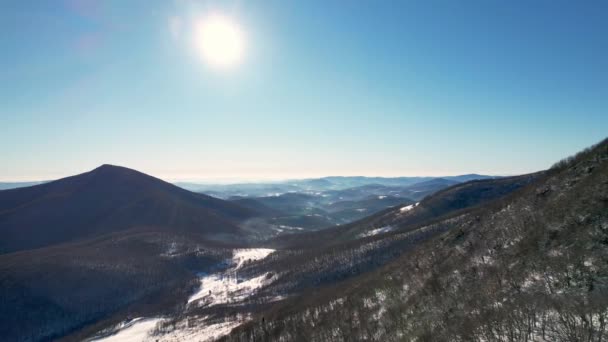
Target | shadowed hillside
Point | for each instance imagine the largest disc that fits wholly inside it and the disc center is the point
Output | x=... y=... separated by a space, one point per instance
x=109 y=199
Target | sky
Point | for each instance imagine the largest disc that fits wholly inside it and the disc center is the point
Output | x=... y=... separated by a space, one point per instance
x=377 y=88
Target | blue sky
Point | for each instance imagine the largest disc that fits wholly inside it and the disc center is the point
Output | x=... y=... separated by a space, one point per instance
x=382 y=88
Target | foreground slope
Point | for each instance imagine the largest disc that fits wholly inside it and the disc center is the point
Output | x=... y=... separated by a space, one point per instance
x=531 y=266
x=109 y=199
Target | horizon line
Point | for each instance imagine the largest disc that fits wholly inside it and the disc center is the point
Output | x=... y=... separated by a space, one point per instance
x=250 y=180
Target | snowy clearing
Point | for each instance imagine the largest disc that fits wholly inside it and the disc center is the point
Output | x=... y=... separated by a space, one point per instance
x=227 y=287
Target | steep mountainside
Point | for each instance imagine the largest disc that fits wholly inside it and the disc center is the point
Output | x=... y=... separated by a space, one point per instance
x=109 y=199
x=530 y=266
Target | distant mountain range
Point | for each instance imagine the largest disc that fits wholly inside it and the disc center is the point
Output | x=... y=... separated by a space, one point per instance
x=283 y=206
x=312 y=204
x=113 y=199
x=13 y=185
x=314 y=185
x=278 y=187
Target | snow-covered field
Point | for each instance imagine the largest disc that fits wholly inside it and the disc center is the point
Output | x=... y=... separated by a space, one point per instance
x=218 y=288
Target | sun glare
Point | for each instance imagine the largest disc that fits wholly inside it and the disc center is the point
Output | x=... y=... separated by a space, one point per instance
x=219 y=41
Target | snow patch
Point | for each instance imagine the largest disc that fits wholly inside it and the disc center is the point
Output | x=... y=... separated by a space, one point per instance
x=377 y=231
x=199 y=332
x=240 y=256
x=227 y=288
x=290 y=227
x=137 y=330
x=408 y=207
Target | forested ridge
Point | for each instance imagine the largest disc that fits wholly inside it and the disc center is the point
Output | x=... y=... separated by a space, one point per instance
x=532 y=266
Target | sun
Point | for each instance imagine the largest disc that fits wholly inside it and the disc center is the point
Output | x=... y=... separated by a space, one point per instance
x=219 y=41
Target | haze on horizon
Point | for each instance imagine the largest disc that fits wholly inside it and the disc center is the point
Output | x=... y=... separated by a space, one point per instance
x=264 y=90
